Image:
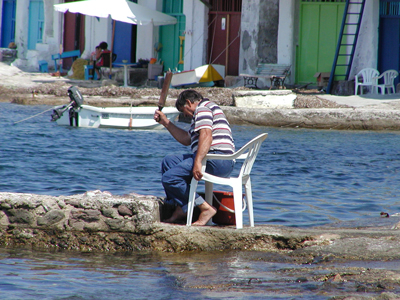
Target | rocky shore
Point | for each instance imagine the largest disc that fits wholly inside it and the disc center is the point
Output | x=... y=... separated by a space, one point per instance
x=311 y=108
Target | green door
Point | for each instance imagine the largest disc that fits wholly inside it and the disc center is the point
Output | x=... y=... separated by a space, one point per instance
x=171 y=48
x=320 y=24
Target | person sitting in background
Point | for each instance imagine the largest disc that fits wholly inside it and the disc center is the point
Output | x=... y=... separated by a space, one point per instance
x=102 y=58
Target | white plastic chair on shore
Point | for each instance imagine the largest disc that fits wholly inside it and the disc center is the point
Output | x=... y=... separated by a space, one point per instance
x=249 y=153
x=388 y=81
x=369 y=79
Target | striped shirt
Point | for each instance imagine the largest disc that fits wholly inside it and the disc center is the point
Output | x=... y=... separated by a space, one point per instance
x=210 y=115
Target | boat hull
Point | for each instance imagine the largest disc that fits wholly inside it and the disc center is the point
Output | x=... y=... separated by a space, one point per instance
x=203 y=76
x=115 y=117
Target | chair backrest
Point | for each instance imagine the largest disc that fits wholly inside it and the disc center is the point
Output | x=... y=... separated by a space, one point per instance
x=389 y=76
x=249 y=153
x=367 y=75
x=106 y=59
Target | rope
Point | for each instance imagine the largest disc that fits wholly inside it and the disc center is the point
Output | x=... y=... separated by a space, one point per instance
x=227 y=208
x=212 y=44
x=34 y=115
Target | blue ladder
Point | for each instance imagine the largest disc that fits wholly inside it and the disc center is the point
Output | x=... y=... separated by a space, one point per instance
x=345 y=49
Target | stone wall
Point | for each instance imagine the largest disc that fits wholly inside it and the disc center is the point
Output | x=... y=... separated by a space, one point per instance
x=25 y=217
x=259 y=34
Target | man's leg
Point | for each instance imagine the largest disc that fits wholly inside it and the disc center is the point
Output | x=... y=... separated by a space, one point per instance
x=176 y=176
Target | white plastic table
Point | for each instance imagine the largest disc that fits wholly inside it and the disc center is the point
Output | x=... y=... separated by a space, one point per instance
x=125 y=65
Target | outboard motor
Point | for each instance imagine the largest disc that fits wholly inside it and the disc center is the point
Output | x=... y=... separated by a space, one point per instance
x=76 y=100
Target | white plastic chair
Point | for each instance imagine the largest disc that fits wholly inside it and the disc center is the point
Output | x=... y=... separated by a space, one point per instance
x=369 y=78
x=249 y=153
x=388 y=81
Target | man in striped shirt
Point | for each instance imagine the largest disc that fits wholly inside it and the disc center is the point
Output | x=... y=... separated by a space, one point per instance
x=209 y=133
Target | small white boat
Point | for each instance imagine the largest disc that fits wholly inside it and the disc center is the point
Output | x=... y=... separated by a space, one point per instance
x=79 y=115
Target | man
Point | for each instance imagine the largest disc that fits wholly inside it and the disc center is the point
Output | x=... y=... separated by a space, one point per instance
x=209 y=133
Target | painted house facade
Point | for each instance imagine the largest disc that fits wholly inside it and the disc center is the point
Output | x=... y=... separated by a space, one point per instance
x=236 y=33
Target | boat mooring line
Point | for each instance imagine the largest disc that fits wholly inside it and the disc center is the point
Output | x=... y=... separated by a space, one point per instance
x=34 y=115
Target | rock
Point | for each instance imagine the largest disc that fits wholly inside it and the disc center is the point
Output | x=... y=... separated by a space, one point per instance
x=337 y=278
x=4 y=219
x=21 y=216
x=264 y=99
x=123 y=210
x=77 y=225
x=146 y=210
x=51 y=218
x=115 y=224
x=96 y=226
x=23 y=234
x=110 y=212
x=50 y=204
x=89 y=215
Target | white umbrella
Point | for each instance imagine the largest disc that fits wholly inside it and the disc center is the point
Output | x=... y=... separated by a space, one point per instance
x=118 y=10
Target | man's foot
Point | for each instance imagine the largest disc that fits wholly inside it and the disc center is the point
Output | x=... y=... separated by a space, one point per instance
x=177 y=215
x=206 y=213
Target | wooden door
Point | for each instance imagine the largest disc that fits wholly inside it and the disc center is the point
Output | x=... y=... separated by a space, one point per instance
x=224 y=40
x=8 y=23
x=320 y=24
x=74 y=35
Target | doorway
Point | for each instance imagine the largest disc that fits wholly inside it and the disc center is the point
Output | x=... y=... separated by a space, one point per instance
x=389 y=37
x=224 y=35
x=320 y=24
x=8 y=23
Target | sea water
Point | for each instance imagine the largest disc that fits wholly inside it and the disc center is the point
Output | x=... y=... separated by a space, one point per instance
x=301 y=178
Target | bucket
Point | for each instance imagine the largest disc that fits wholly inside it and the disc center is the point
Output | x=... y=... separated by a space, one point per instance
x=224 y=216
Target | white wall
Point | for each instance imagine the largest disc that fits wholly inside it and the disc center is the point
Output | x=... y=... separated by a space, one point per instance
x=196 y=34
x=147 y=35
x=366 y=55
x=52 y=33
x=286 y=33
x=97 y=30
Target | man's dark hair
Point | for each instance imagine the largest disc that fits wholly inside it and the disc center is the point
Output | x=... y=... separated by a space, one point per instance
x=191 y=95
x=103 y=45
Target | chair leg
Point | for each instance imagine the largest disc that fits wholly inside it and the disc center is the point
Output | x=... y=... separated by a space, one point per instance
x=249 y=199
x=237 y=200
x=209 y=196
x=376 y=89
x=192 y=195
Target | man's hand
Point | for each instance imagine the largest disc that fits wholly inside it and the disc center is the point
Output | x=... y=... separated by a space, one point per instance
x=205 y=140
x=160 y=117
x=197 y=171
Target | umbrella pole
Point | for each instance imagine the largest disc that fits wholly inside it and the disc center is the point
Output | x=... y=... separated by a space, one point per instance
x=112 y=48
